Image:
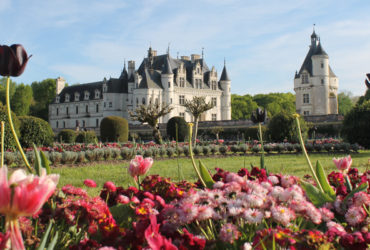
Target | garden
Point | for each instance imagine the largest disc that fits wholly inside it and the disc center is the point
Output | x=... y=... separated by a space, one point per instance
x=248 y=194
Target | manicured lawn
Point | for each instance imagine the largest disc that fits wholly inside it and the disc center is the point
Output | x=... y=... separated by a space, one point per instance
x=291 y=164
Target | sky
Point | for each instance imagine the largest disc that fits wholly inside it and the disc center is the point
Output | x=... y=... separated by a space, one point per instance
x=263 y=42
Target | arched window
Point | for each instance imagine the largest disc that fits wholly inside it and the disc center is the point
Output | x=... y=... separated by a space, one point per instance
x=76 y=109
x=143 y=101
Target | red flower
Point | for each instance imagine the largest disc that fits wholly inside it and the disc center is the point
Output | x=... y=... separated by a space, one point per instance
x=89 y=183
x=13 y=60
x=110 y=186
x=155 y=240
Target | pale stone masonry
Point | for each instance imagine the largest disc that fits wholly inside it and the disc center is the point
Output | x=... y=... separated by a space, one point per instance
x=160 y=79
x=315 y=84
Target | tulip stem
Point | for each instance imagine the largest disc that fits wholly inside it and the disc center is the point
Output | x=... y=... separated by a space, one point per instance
x=2 y=142
x=300 y=138
x=12 y=127
x=192 y=156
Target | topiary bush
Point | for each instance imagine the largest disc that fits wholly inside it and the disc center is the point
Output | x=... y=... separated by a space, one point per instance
x=283 y=126
x=55 y=157
x=35 y=130
x=67 y=136
x=356 y=125
x=114 y=129
x=181 y=126
x=9 y=141
x=86 y=137
x=90 y=155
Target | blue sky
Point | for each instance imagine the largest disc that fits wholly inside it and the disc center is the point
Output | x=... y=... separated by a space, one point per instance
x=264 y=42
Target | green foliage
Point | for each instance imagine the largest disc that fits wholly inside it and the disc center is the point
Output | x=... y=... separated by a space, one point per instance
x=9 y=142
x=21 y=100
x=67 y=136
x=276 y=103
x=182 y=128
x=43 y=94
x=251 y=133
x=114 y=129
x=242 y=107
x=345 y=103
x=283 y=126
x=356 y=125
x=364 y=98
x=12 y=88
x=86 y=137
x=35 y=130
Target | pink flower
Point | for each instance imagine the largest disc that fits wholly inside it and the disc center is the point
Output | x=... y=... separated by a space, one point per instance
x=229 y=232
x=123 y=199
x=23 y=195
x=89 y=183
x=139 y=166
x=110 y=186
x=355 y=215
x=155 y=240
x=344 y=163
x=282 y=214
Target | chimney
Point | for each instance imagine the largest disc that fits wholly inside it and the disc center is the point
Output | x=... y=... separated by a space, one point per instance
x=60 y=84
x=194 y=57
x=154 y=53
x=131 y=68
x=186 y=58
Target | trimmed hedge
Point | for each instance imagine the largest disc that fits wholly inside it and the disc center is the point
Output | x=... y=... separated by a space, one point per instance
x=283 y=126
x=114 y=129
x=9 y=141
x=86 y=137
x=67 y=136
x=35 y=130
x=182 y=128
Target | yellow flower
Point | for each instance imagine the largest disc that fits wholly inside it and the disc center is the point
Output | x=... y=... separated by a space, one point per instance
x=296 y=115
x=190 y=124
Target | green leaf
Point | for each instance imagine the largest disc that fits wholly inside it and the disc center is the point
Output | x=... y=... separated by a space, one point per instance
x=362 y=187
x=45 y=237
x=53 y=242
x=45 y=162
x=204 y=173
x=320 y=172
x=37 y=160
x=317 y=197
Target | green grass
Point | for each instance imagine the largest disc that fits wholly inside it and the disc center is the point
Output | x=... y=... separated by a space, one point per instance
x=289 y=164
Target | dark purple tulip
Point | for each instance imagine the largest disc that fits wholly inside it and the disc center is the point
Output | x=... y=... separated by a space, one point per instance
x=367 y=81
x=13 y=60
x=259 y=115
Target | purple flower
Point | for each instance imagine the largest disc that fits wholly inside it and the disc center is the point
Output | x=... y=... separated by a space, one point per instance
x=13 y=60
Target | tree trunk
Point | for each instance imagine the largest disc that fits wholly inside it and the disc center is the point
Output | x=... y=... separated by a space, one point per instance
x=157 y=135
x=195 y=131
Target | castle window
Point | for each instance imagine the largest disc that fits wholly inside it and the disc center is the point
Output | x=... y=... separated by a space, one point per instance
x=66 y=98
x=83 y=123
x=57 y=99
x=182 y=114
x=97 y=123
x=87 y=95
x=97 y=94
x=171 y=100
x=77 y=123
x=87 y=108
x=64 y=124
x=57 y=124
x=214 y=86
x=198 y=71
x=110 y=104
x=322 y=65
x=182 y=82
x=76 y=109
x=304 y=78
x=105 y=104
x=214 y=117
x=97 y=108
x=181 y=99
x=169 y=85
x=67 y=110
x=57 y=111
x=322 y=81
x=306 y=98
x=143 y=101
x=105 y=88
x=77 y=97
x=306 y=112
x=214 y=101
x=137 y=101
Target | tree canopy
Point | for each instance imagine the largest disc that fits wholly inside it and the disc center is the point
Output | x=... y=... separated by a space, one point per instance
x=345 y=103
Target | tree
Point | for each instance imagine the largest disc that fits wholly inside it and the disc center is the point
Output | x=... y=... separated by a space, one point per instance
x=242 y=106
x=12 y=87
x=43 y=94
x=276 y=103
x=196 y=107
x=21 y=100
x=345 y=103
x=150 y=114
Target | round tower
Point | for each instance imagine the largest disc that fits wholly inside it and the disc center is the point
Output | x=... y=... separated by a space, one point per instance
x=168 y=85
x=225 y=84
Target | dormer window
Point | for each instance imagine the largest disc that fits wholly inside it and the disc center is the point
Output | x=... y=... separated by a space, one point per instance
x=97 y=94
x=66 y=98
x=77 y=97
x=57 y=99
x=304 y=78
x=87 y=95
x=182 y=82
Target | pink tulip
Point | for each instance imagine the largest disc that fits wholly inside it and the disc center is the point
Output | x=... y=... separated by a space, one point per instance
x=344 y=163
x=139 y=166
x=23 y=195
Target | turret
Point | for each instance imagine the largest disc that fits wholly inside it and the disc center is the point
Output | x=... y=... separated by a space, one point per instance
x=225 y=84
x=60 y=84
x=167 y=83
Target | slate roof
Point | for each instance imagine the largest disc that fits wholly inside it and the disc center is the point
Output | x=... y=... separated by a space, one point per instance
x=224 y=75
x=80 y=88
x=150 y=79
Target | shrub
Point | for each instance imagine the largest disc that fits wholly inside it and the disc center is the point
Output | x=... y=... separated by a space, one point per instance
x=256 y=149
x=126 y=153
x=55 y=157
x=234 y=149
x=30 y=155
x=355 y=147
x=251 y=133
x=206 y=150
x=86 y=137
x=280 y=147
x=162 y=151
x=309 y=147
x=67 y=136
x=35 y=130
x=186 y=150
x=283 y=126
x=297 y=148
x=107 y=153
x=9 y=141
x=80 y=157
x=148 y=152
x=170 y=151
x=356 y=125
x=223 y=149
x=267 y=148
x=9 y=158
x=99 y=153
x=318 y=147
x=115 y=153
x=197 y=150
x=214 y=149
x=328 y=147
x=69 y=157
x=179 y=151
x=182 y=128
x=114 y=129
x=140 y=151
x=90 y=155
x=290 y=147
